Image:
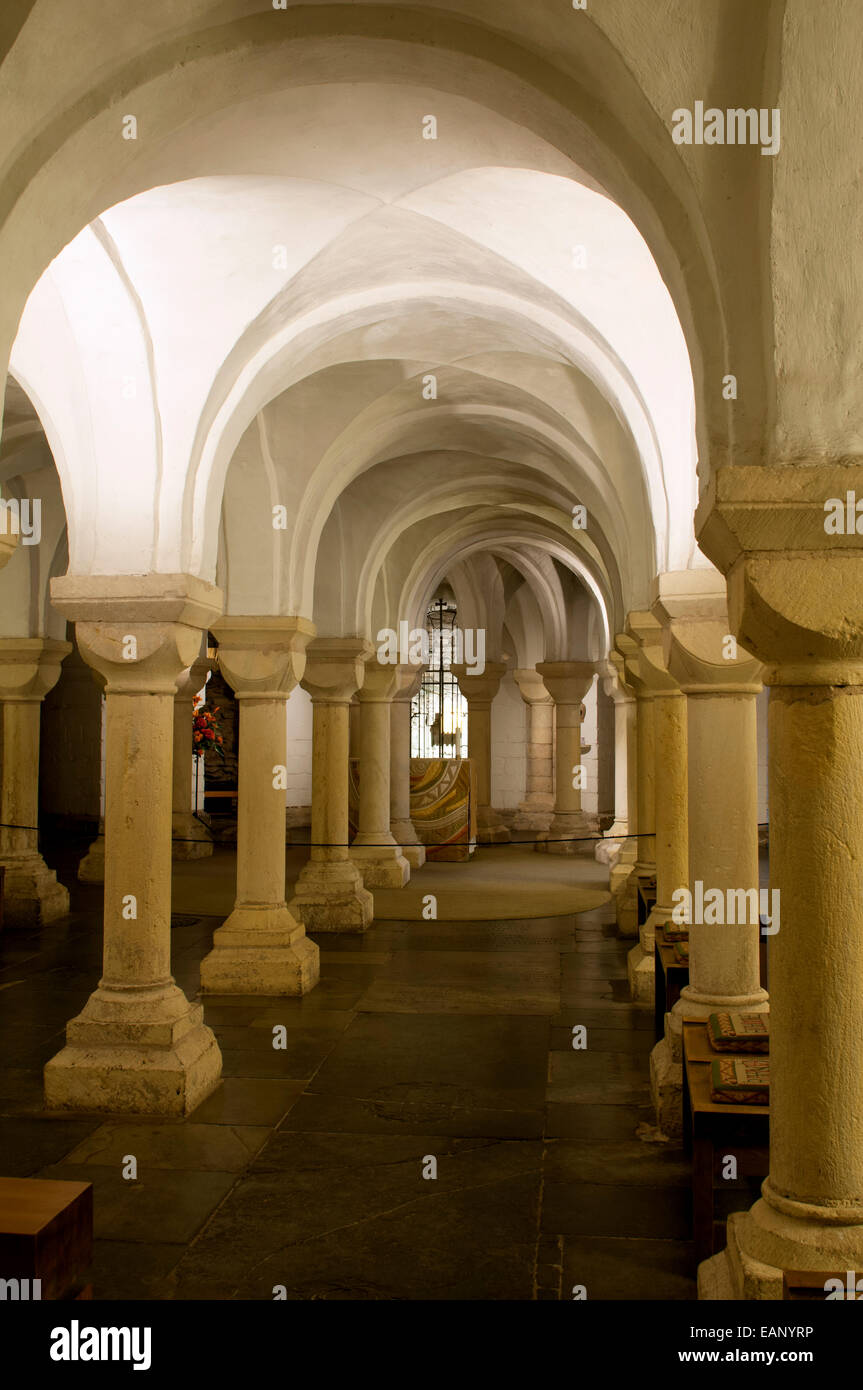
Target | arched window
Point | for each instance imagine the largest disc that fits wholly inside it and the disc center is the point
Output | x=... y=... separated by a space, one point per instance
x=439 y=710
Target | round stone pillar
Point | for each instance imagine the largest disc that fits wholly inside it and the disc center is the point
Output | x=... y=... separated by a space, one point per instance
x=571 y=831
x=261 y=948
x=479 y=690
x=724 y=957
x=536 y=812
x=329 y=893
x=794 y=601
x=29 y=668
x=374 y=850
x=402 y=827
x=191 y=838
x=664 y=724
x=645 y=771
x=138 y=1045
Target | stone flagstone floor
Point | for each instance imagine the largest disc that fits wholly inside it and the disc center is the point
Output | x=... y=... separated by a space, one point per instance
x=305 y=1168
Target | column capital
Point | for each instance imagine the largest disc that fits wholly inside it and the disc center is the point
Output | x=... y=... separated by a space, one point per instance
x=262 y=657
x=409 y=682
x=380 y=683
x=189 y=682
x=567 y=681
x=531 y=686
x=139 y=631
x=698 y=663
x=793 y=585
x=479 y=688
x=335 y=667
x=30 y=666
x=646 y=657
x=612 y=673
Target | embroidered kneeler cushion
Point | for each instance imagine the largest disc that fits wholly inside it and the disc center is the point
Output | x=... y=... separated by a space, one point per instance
x=740 y=1081
x=674 y=932
x=739 y=1032
x=681 y=952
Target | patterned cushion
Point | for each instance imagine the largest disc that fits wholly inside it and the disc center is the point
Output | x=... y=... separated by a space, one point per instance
x=740 y=1081
x=674 y=932
x=681 y=952
x=739 y=1032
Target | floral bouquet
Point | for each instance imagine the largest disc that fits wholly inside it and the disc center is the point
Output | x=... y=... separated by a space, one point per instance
x=205 y=729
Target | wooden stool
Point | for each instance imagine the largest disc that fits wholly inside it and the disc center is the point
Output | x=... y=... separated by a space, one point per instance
x=712 y=1131
x=46 y=1233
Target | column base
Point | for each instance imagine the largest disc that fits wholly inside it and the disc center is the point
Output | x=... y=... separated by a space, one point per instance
x=405 y=835
x=571 y=834
x=32 y=897
x=381 y=866
x=190 y=838
x=694 y=1005
x=142 y=1052
x=490 y=827
x=92 y=867
x=536 y=819
x=666 y=1087
x=776 y=1235
x=331 y=897
x=260 y=949
x=640 y=967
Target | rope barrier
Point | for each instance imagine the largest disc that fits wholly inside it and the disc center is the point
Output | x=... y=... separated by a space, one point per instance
x=417 y=844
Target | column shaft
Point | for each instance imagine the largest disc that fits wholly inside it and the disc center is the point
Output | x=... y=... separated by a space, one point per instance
x=329 y=893
x=29 y=668
x=374 y=850
x=402 y=827
x=261 y=948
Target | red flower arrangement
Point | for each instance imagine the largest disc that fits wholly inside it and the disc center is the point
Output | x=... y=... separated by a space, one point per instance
x=205 y=729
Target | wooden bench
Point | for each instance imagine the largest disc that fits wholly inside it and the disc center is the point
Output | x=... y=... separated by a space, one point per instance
x=807 y=1285
x=670 y=976
x=221 y=796
x=711 y=1132
x=646 y=898
x=46 y=1233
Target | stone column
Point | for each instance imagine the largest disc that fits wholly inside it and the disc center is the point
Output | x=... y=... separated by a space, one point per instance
x=402 y=827
x=374 y=850
x=571 y=828
x=91 y=869
x=354 y=729
x=645 y=788
x=191 y=838
x=261 y=948
x=479 y=691
x=649 y=671
x=29 y=668
x=8 y=544
x=624 y=748
x=619 y=848
x=138 y=1045
x=535 y=813
x=794 y=601
x=329 y=893
x=720 y=686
